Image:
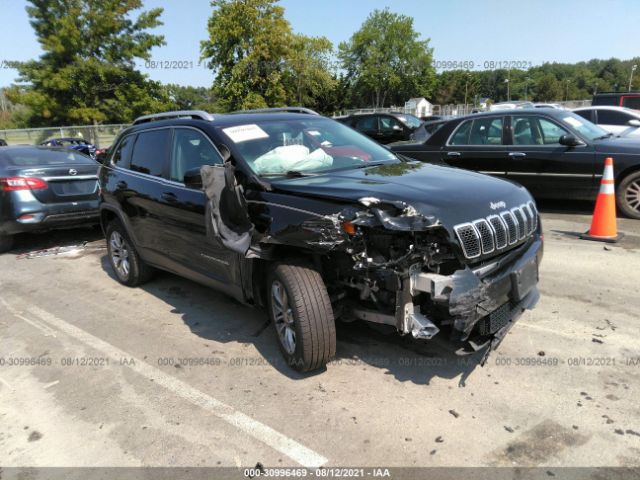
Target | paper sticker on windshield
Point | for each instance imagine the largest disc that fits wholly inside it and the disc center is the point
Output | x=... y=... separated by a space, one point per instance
x=574 y=122
x=244 y=133
x=315 y=133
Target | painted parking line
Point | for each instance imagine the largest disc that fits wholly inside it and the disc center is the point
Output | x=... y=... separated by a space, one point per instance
x=261 y=432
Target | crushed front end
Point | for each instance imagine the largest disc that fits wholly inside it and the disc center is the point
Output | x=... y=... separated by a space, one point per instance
x=470 y=281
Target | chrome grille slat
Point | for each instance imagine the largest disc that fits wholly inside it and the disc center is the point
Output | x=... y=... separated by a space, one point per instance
x=521 y=222
x=486 y=235
x=512 y=227
x=469 y=239
x=497 y=232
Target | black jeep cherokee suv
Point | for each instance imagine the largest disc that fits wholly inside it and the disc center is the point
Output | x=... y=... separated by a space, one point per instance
x=313 y=221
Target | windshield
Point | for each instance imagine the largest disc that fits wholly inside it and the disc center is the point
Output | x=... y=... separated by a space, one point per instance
x=309 y=145
x=584 y=127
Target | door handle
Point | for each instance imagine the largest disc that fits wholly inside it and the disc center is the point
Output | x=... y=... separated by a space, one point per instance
x=517 y=154
x=121 y=185
x=453 y=154
x=169 y=197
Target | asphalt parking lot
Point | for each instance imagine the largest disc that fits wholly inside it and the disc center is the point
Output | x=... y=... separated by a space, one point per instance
x=174 y=374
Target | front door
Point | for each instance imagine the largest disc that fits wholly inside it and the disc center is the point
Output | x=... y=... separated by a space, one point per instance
x=546 y=168
x=185 y=239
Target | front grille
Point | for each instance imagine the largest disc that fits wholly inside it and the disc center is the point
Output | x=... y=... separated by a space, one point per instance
x=497 y=232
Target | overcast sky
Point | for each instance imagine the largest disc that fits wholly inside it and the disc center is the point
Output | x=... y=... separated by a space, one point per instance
x=479 y=31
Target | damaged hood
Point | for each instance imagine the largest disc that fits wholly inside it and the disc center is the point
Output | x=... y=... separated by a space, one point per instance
x=450 y=195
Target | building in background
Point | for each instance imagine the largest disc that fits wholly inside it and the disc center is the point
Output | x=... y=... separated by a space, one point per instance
x=420 y=107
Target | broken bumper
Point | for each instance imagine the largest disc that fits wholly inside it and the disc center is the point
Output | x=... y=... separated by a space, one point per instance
x=482 y=303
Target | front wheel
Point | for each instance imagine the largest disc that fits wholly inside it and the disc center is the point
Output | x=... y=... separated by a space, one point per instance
x=6 y=243
x=628 y=194
x=301 y=312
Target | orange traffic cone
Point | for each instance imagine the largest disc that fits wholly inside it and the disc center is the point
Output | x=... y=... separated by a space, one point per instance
x=603 y=226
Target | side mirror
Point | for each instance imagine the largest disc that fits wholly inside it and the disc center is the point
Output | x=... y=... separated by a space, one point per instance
x=569 y=141
x=397 y=128
x=193 y=179
x=634 y=123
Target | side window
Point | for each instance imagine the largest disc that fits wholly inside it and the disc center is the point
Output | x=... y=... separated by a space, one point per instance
x=524 y=131
x=150 y=152
x=367 y=123
x=191 y=149
x=387 y=124
x=486 y=131
x=586 y=114
x=122 y=155
x=631 y=102
x=461 y=135
x=551 y=132
x=612 y=117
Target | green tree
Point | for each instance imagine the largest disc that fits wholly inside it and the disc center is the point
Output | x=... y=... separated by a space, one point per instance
x=191 y=98
x=309 y=63
x=247 y=49
x=386 y=60
x=548 y=89
x=87 y=72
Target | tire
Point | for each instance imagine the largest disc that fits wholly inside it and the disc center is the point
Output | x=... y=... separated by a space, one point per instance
x=304 y=315
x=628 y=195
x=6 y=243
x=125 y=261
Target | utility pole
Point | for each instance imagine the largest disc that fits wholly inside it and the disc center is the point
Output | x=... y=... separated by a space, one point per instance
x=633 y=69
x=566 y=90
x=526 y=86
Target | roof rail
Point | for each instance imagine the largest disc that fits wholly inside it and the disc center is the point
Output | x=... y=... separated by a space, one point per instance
x=280 y=109
x=199 y=114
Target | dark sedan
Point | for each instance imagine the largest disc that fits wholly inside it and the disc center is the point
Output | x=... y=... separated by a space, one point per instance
x=554 y=153
x=43 y=188
x=383 y=127
x=77 y=144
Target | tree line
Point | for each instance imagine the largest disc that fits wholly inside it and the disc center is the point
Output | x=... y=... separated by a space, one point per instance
x=88 y=75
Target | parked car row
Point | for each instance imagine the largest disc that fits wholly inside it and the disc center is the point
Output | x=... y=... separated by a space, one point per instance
x=553 y=153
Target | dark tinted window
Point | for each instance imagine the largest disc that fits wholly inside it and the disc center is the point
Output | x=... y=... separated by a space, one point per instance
x=612 y=117
x=367 y=123
x=122 y=156
x=586 y=114
x=606 y=100
x=631 y=102
x=191 y=149
x=27 y=157
x=150 y=152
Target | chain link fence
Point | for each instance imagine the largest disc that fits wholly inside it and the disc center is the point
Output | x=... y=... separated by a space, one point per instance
x=101 y=135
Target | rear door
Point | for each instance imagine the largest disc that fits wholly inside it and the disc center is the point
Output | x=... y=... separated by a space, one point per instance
x=139 y=187
x=631 y=101
x=184 y=236
x=478 y=144
x=538 y=161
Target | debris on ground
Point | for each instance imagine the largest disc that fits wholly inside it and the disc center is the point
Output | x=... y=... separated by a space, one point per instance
x=454 y=413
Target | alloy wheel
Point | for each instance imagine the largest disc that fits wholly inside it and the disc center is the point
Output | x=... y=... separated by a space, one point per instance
x=283 y=317
x=632 y=195
x=120 y=255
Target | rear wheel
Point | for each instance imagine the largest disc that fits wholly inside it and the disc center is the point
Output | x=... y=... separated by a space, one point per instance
x=6 y=242
x=129 y=268
x=301 y=312
x=628 y=194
